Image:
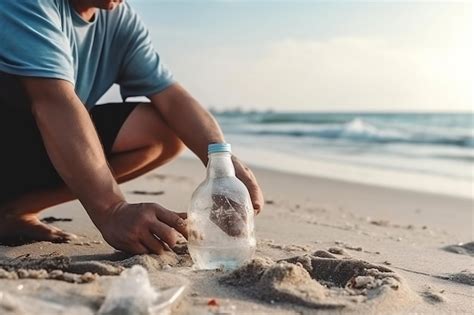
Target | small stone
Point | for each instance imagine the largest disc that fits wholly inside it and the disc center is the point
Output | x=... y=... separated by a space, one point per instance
x=88 y=277
x=23 y=273
x=362 y=281
x=69 y=277
x=56 y=274
x=337 y=251
x=38 y=274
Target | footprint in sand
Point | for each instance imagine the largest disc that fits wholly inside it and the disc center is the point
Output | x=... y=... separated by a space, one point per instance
x=321 y=281
x=433 y=296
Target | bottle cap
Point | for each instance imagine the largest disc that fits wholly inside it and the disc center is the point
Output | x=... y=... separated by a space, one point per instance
x=218 y=147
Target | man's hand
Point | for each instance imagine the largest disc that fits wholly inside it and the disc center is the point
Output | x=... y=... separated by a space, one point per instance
x=143 y=228
x=246 y=176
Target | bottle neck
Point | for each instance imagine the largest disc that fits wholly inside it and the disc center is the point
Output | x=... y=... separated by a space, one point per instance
x=220 y=165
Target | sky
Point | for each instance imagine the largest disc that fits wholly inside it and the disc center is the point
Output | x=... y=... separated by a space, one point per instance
x=318 y=55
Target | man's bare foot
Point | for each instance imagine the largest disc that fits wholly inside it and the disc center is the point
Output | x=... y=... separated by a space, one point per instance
x=24 y=229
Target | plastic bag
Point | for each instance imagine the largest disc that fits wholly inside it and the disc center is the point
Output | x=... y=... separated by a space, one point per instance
x=132 y=294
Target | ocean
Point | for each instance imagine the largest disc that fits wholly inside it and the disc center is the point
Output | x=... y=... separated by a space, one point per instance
x=429 y=152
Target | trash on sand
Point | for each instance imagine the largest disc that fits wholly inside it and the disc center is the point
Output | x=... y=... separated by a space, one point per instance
x=131 y=293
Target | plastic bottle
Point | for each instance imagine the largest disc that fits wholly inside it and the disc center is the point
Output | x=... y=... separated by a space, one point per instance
x=221 y=216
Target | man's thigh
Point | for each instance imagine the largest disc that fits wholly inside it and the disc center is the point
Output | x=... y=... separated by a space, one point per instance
x=24 y=161
x=143 y=128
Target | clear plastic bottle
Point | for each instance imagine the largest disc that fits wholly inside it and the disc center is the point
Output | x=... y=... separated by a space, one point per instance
x=221 y=216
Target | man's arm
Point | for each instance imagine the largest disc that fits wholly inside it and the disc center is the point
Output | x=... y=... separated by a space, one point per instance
x=196 y=127
x=74 y=148
x=72 y=144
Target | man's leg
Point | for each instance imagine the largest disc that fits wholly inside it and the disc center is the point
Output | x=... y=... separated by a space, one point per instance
x=143 y=143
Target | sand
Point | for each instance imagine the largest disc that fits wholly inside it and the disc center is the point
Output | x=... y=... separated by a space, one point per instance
x=324 y=246
x=322 y=281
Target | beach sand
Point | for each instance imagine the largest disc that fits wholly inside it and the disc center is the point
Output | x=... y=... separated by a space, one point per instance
x=324 y=246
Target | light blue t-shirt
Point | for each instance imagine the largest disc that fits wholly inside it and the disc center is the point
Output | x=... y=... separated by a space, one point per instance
x=48 y=38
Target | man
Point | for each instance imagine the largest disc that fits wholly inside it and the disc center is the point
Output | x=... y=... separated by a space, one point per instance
x=57 y=58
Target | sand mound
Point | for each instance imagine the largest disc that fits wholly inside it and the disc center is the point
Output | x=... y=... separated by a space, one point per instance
x=462 y=248
x=157 y=262
x=321 y=281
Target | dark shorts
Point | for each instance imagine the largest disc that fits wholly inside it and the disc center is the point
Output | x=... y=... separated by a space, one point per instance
x=25 y=165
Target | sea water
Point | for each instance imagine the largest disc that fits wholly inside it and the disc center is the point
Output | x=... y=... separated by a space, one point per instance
x=432 y=152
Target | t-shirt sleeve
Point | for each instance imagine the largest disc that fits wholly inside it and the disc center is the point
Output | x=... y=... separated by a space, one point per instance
x=32 y=41
x=142 y=72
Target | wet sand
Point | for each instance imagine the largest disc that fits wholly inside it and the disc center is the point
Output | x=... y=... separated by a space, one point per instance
x=324 y=246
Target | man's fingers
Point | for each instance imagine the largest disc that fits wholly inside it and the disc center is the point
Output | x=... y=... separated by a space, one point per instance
x=248 y=178
x=172 y=219
x=139 y=249
x=165 y=233
x=182 y=215
x=154 y=245
x=256 y=194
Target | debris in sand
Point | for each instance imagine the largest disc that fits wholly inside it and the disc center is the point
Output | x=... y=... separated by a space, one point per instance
x=288 y=248
x=212 y=302
x=319 y=281
x=269 y=202
x=82 y=243
x=349 y=247
x=54 y=219
x=362 y=281
x=461 y=248
x=433 y=296
x=383 y=223
x=465 y=277
x=87 y=243
x=337 y=251
x=323 y=254
x=147 y=193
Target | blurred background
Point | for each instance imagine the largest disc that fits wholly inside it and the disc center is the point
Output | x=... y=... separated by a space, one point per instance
x=373 y=92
